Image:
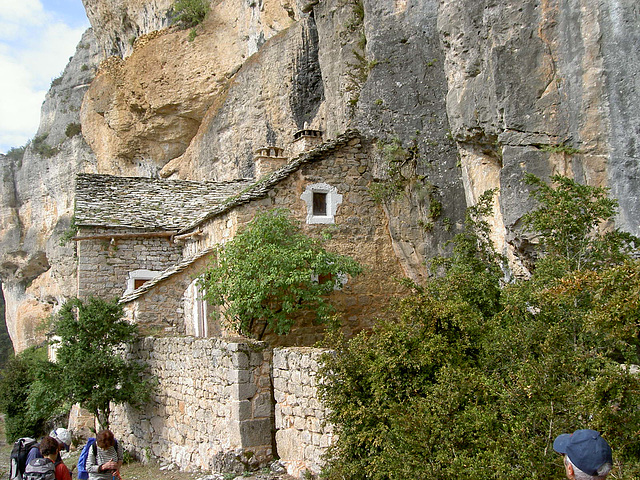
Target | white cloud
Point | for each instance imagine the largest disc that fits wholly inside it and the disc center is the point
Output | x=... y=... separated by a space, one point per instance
x=35 y=46
x=16 y=17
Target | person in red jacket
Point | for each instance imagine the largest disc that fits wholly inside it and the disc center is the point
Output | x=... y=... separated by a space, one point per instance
x=49 y=448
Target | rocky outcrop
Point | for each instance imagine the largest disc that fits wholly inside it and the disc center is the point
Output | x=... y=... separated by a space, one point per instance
x=537 y=87
x=463 y=95
x=37 y=203
x=142 y=112
x=118 y=23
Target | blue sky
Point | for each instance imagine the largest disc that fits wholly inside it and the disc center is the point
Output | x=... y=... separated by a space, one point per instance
x=37 y=37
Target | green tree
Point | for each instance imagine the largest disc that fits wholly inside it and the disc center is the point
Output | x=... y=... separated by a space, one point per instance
x=92 y=368
x=569 y=222
x=271 y=272
x=474 y=379
x=16 y=378
x=418 y=367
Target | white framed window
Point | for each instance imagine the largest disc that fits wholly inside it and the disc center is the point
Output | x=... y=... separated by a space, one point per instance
x=322 y=202
x=196 y=311
x=137 y=278
x=341 y=278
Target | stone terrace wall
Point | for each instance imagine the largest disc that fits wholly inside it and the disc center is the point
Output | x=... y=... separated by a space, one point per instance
x=212 y=408
x=302 y=437
x=103 y=266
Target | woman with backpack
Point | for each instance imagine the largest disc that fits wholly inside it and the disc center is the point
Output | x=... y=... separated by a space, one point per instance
x=49 y=467
x=105 y=457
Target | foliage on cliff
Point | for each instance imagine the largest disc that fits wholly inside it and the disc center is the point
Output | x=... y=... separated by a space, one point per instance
x=190 y=13
x=471 y=378
x=271 y=271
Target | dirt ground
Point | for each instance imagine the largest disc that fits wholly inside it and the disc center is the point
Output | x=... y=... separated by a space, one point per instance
x=151 y=471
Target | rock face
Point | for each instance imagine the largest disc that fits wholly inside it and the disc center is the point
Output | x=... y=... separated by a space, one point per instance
x=525 y=80
x=37 y=203
x=469 y=95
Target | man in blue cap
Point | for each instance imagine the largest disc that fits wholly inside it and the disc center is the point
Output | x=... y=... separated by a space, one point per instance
x=587 y=456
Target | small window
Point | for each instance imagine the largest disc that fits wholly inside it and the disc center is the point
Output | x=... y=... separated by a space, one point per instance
x=319 y=203
x=322 y=203
x=339 y=279
x=137 y=278
x=324 y=278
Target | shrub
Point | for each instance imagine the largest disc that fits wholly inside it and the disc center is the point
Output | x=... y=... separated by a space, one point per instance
x=190 y=13
x=16 y=380
x=469 y=378
x=90 y=368
x=73 y=129
x=16 y=154
x=268 y=274
x=40 y=146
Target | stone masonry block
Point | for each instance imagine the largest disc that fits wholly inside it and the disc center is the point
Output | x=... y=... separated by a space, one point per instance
x=240 y=360
x=254 y=433
x=288 y=444
x=279 y=359
x=257 y=359
x=262 y=405
x=243 y=391
x=241 y=410
x=238 y=376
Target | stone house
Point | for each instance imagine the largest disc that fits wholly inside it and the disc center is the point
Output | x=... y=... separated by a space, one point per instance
x=146 y=241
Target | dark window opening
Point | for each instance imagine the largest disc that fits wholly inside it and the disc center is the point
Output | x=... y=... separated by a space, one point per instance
x=324 y=278
x=138 y=282
x=320 y=204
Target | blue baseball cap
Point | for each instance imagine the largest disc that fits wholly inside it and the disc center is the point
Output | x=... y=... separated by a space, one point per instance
x=586 y=449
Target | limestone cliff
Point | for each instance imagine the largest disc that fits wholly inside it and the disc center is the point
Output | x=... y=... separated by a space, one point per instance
x=472 y=93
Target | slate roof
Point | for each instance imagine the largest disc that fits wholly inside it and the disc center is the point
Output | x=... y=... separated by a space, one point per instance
x=147 y=203
x=177 y=268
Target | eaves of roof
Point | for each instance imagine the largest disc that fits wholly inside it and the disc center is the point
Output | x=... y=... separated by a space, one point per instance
x=177 y=268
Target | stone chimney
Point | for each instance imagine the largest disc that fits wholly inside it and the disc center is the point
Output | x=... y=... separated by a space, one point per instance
x=305 y=140
x=267 y=160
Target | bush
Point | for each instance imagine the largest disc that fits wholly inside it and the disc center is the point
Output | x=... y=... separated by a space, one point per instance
x=40 y=146
x=90 y=368
x=16 y=154
x=469 y=378
x=190 y=13
x=73 y=129
x=269 y=273
x=16 y=380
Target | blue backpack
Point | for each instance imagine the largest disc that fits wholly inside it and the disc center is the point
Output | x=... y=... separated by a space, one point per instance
x=82 y=460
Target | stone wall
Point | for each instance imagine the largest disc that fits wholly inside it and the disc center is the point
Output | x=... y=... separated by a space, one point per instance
x=212 y=408
x=360 y=229
x=104 y=265
x=162 y=310
x=302 y=436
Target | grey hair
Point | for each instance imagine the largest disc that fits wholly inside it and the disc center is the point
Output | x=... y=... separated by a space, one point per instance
x=603 y=471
